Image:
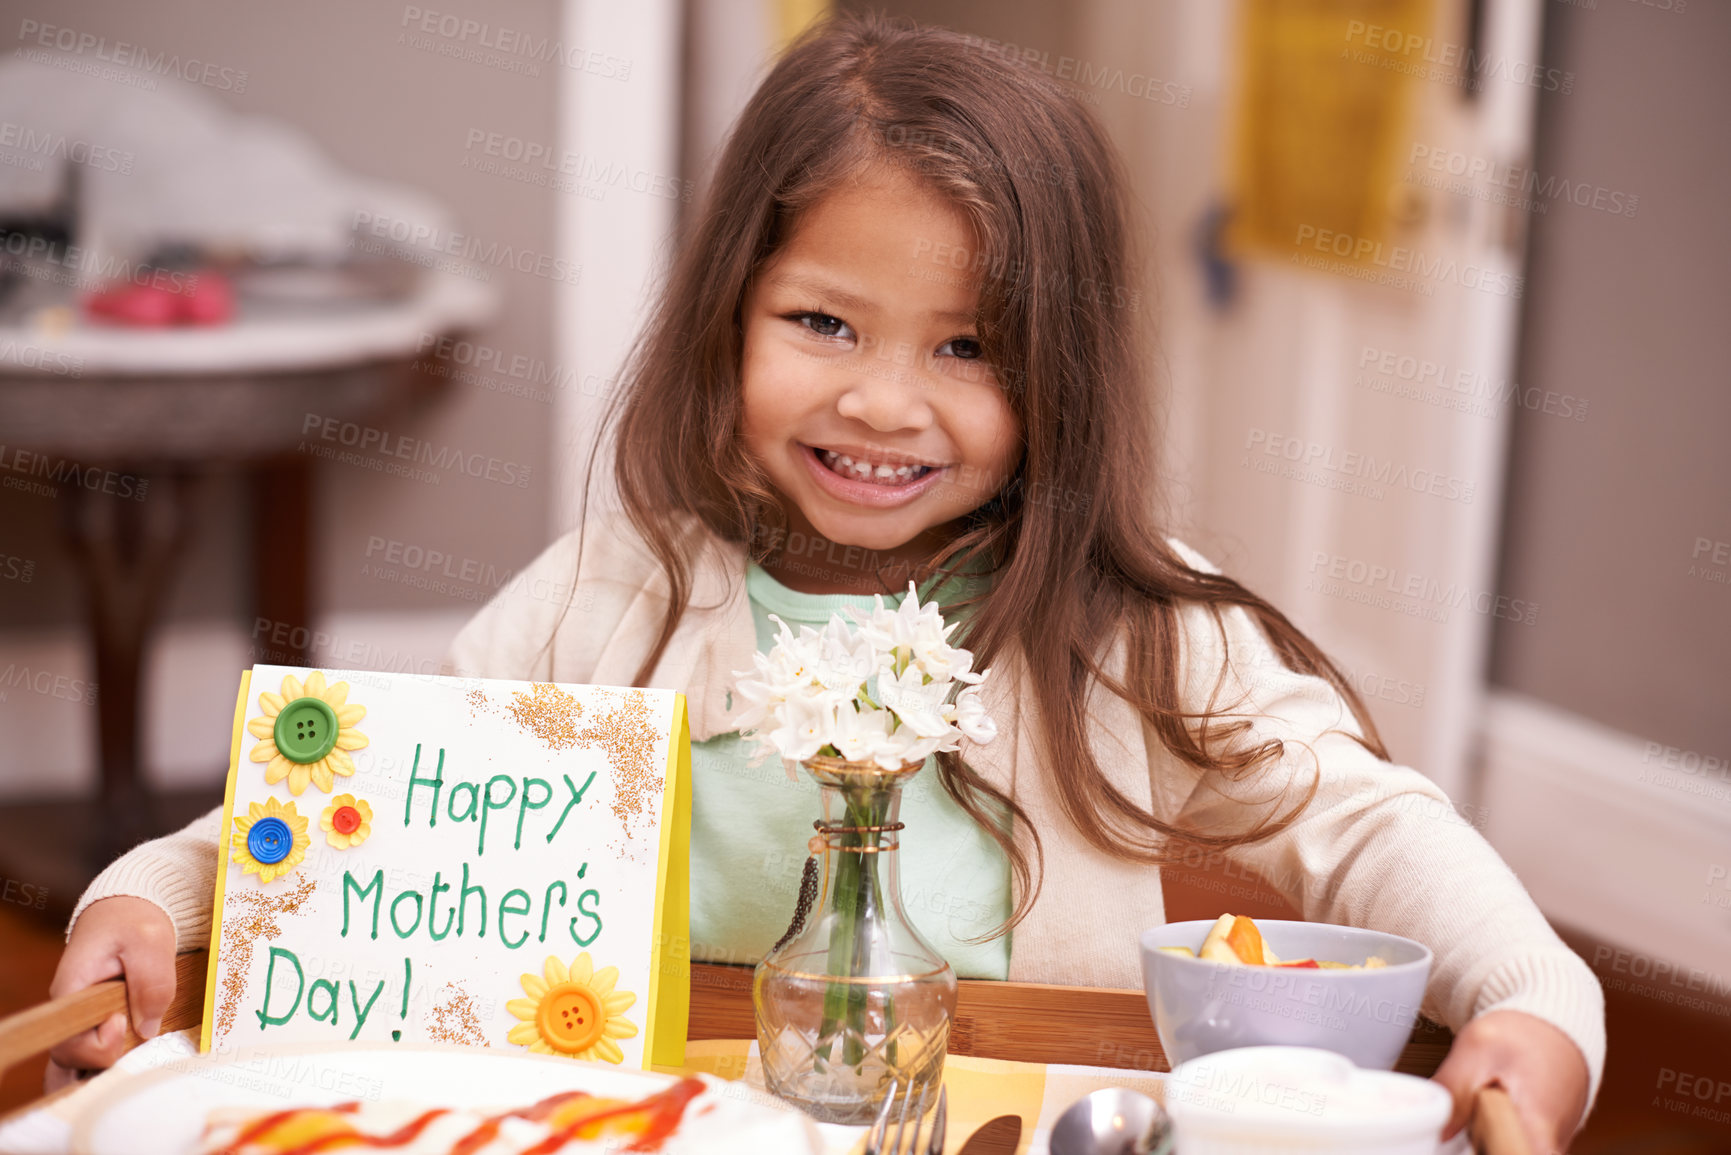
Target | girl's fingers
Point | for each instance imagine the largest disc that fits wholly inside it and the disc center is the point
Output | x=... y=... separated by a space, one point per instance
x=116 y=938
x=84 y=965
x=1537 y=1121
x=1513 y=1117
x=149 y=967
x=1462 y=1074
x=1542 y=1071
x=56 y=1076
x=94 y=1049
x=81 y=967
x=1540 y=1120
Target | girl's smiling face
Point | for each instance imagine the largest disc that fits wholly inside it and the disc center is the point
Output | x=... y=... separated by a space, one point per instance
x=866 y=398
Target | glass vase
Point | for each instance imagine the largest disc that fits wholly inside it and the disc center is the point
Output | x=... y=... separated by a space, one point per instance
x=854 y=1000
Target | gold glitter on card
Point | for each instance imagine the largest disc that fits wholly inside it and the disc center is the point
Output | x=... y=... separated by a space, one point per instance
x=455 y=1019
x=625 y=735
x=251 y=915
x=549 y=713
x=629 y=738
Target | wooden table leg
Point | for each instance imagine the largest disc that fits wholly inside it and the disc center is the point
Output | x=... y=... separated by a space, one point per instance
x=126 y=550
x=282 y=518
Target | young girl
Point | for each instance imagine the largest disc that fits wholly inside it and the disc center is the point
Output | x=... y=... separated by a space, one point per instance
x=895 y=345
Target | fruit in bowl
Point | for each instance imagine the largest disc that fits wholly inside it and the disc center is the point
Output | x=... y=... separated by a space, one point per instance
x=1213 y=986
x=1235 y=940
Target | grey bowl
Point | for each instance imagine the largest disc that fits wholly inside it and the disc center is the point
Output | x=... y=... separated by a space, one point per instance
x=1200 y=1007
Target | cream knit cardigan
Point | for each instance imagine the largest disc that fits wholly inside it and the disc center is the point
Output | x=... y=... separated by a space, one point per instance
x=1379 y=846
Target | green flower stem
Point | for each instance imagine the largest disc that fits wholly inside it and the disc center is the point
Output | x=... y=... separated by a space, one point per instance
x=858 y=897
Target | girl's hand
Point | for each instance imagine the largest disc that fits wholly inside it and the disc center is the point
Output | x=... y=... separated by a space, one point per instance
x=114 y=937
x=1543 y=1071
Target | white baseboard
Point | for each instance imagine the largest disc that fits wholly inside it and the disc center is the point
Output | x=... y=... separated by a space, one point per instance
x=48 y=694
x=1612 y=835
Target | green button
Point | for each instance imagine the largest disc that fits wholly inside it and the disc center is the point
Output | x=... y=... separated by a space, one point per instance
x=306 y=730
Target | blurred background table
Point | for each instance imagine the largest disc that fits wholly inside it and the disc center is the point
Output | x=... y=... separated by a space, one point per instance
x=132 y=421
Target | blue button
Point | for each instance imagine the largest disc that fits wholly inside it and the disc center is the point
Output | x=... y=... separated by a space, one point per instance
x=269 y=841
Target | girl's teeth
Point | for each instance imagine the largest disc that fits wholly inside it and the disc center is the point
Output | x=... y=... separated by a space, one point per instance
x=865 y=471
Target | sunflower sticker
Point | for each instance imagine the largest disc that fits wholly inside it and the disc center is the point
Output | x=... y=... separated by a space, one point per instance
x=306 y=733
x=573 y=1011
x=346 y=822
x=269 y=840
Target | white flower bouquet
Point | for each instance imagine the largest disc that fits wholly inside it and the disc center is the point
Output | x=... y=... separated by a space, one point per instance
x=862 y=706
x=890 y=691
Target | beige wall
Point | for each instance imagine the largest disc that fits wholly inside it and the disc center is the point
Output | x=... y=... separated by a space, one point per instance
x=1604 y=516
x=1630 y=314
x=382 y=108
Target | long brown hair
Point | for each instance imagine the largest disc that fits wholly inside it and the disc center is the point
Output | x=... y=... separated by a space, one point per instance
x=1036 y=176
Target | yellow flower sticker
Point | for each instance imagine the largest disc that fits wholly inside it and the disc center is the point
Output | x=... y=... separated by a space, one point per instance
x=346 y=822
x=269 y=840
x=573 y=1011
x=306 y=733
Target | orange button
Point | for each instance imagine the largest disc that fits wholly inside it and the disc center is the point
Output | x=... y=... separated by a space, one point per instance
x=571 y=1018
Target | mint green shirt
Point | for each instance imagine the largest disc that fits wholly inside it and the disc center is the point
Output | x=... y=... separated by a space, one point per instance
x=750 y=826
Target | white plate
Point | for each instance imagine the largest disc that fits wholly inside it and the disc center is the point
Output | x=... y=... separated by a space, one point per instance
x=162 y=1112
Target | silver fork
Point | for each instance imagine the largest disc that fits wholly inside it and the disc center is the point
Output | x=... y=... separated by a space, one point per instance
x=879 y=1140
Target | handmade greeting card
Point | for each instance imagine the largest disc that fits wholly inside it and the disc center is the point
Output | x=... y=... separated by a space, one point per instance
x=410 y=858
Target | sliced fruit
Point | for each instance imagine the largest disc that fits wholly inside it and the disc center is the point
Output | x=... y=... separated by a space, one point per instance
x=1214 y=947
x=1304 y=963
x=1245 y=941
x=1183 y=950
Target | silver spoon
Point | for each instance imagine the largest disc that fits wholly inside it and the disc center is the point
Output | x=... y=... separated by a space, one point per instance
x=1113 y=1121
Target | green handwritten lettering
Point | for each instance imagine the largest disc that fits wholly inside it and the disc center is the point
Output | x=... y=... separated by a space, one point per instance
x=420 y=907
x=463 y=904
x=547 y=905
x=330 y=1011
x=489 y=805
x=576 y=797
x=474 y=802
x=596 y=915
x=265 y=1018
x=524 y=805
x=361 y=1012
x=505 y=908
x=433 y=910
x=349 y=883
x=437 y=782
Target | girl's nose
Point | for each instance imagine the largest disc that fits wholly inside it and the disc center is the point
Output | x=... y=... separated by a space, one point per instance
x=889 y=400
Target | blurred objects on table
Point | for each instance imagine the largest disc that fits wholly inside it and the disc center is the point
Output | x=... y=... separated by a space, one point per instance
x=181 y=288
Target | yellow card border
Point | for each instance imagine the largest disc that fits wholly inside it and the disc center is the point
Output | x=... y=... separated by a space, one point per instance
x=667 y=1007
x=222 y=839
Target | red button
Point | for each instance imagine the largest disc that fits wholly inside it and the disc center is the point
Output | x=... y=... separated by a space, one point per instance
x=346 y=820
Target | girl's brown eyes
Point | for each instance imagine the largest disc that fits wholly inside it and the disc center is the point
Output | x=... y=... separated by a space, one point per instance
x=825 y=325
x=822 y=324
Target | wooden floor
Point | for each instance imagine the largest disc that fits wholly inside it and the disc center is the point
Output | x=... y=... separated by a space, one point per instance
x=28 y=951
x=1636 y=1115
